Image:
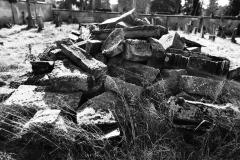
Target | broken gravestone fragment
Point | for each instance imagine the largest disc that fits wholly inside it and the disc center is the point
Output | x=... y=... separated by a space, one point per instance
x=148 y=73
x=28 y=99
x=205 y=87
x=122 y=25
x=128 y=18
x=42 y=67
x=84 y=61
x=113 y=45
x=199 y=116
x=168 y=85
x=101 y=34
x=157 y=49
x=177 y=61
x=172 y=40
x=122 y=88
x=45 y=120
x=145 y=31
x=137 y=50
x=94 y=47
x=66 y=77
x=98 y=111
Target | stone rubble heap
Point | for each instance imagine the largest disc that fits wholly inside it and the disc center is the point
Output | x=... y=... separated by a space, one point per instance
x=126 y=57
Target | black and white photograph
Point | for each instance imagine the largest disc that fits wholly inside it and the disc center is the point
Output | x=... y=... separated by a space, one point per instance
x=119 y=79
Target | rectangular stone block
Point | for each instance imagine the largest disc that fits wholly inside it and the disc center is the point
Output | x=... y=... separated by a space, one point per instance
x=145 y=31
x=205 y=87
x=137 y=50
x=84 y=61
x=66 y=77
x=123 y=88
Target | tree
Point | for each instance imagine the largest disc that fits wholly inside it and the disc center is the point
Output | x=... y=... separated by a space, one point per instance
x=212 y=8
x=169 y=6
x=233 y=8
x=192 y=7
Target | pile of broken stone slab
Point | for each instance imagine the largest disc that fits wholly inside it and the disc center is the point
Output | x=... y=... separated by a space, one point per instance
x=128 y=57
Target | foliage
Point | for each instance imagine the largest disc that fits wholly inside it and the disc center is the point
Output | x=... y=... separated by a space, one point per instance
x=192 y=7
x=172 y=6
x=233 y=8
x=212 y=8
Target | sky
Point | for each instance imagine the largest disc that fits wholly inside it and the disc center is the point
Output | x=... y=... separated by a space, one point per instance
x=205 y=2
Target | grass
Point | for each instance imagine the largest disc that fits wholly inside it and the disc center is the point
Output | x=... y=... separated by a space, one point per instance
x=148 y=133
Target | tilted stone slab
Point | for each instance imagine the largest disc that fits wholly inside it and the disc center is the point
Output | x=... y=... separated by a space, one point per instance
x=66 y=77
x=121 y=87
x=84 y=61
x=113 y=45
x=128 y=17
x=30 y=98
x=99 y=110
x=148 y=73
x=45 y=120
x=157 y=48
x=171 y=40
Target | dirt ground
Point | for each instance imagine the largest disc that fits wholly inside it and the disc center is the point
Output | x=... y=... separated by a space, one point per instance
x=16 y=43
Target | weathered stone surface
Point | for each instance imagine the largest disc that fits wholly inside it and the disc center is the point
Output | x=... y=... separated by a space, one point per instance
x=98 y=110
x=128 y=18
x=42 y=67
x=46 y=119
x=192 y=113
x=113 y=45
x=121 y=25
x=66 y=77
x=168 y=85
x=121 y=87
x=216 y=67
x=86 y=62
x=101 y=34
x=171 y=40
x=93 y=47
x=230 y=92
x=126 y=75
x=205 y=87
x=73 y=37
x=100 y=57
x=175 y=61
x=145 y=31
x=5 y=92
x=157 y=48
x=137 y=50
x=148 y=73
x=30 y=98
